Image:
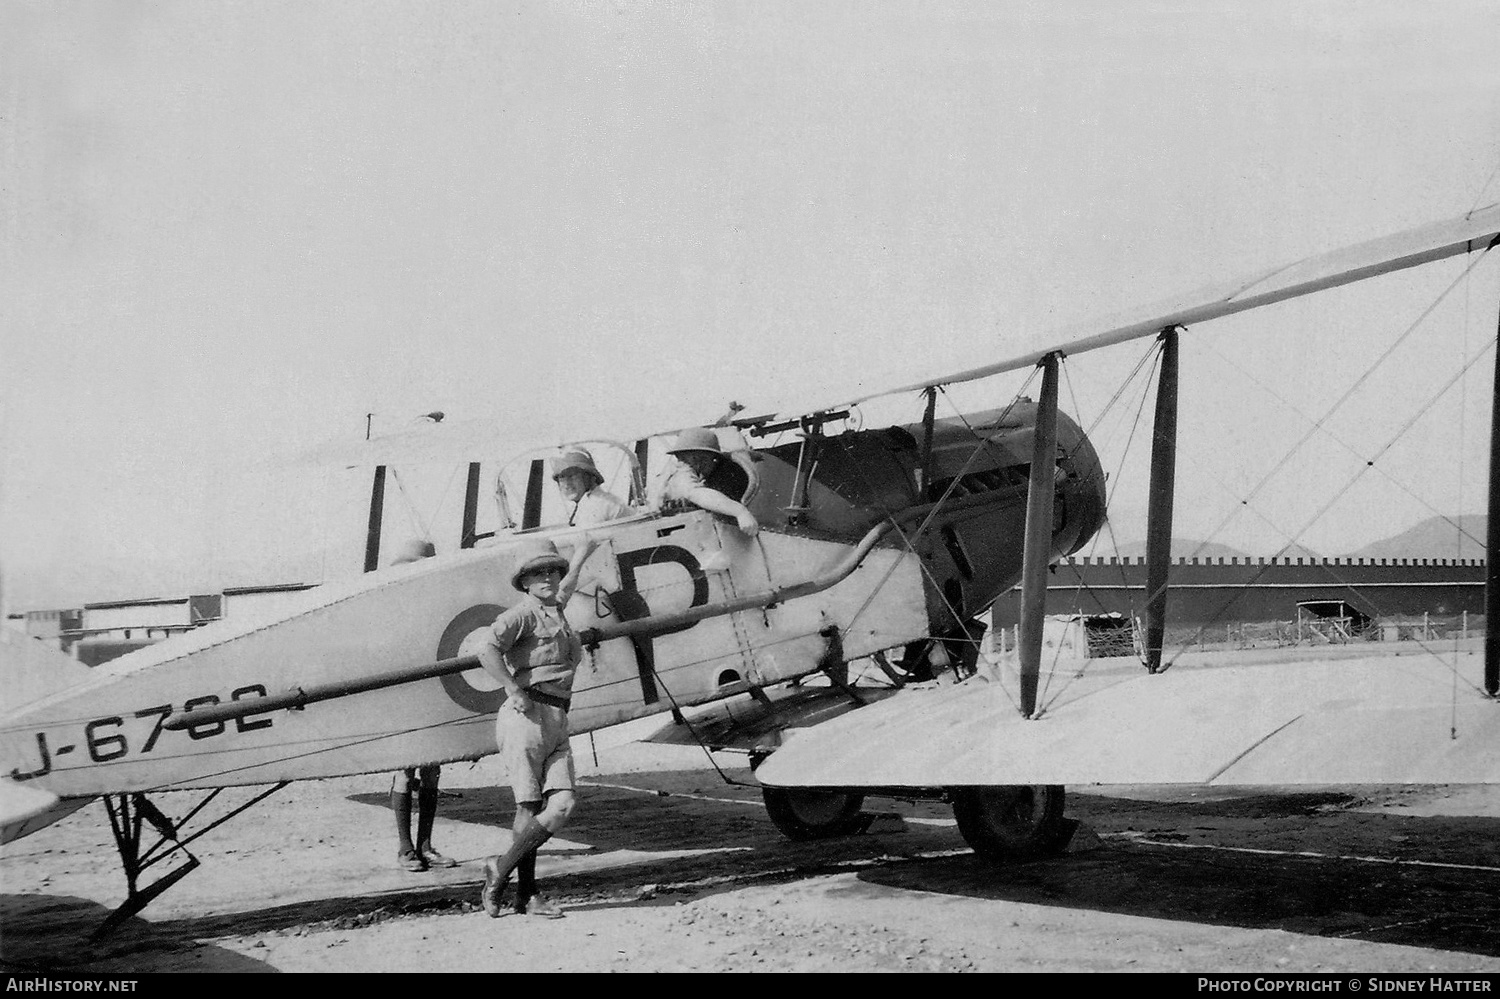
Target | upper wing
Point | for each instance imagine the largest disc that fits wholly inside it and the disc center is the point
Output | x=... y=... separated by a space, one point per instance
x=1478 y=230
x=451 y=442
x=478 y=440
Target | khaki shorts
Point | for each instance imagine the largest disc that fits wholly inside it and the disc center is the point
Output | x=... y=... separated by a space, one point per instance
x=535 y=750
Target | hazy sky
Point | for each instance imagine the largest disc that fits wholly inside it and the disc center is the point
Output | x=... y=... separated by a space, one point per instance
x=231 y=230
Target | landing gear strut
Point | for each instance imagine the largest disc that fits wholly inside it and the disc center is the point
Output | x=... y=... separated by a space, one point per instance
x=128 y=814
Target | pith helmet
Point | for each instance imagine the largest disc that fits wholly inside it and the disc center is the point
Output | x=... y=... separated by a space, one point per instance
x=414 y=551
x=696 y=439
x=576 y=459
x=534 y=555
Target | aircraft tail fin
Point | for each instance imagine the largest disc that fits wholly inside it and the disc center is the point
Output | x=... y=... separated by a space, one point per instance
x=32 y=669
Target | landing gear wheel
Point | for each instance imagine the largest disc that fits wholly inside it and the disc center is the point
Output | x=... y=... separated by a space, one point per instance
x=1013 y=822
x=803 y=814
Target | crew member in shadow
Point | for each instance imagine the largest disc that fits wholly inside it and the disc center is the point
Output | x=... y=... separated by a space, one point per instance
x=421 y=781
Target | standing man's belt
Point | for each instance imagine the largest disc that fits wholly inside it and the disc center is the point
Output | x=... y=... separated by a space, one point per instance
x=542 y=697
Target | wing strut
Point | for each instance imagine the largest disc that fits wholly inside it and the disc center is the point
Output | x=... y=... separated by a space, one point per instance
x=1492 y=543
x=1037 y=553
x=927 y=422
x=1159 y=512
x=377 y=511
x=466 y=536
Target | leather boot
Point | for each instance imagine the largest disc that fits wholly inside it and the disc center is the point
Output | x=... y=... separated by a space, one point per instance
x=406 y=855
x=427 y=799
x=539 y=906
x=497 y=870
x=525 y=881
x=492 y=895
x=529 y=901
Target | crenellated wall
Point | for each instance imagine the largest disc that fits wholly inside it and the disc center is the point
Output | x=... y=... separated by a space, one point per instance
x=1223 y=591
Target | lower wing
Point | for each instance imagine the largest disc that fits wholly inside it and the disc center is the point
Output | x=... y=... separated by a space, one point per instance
x=1376 y=720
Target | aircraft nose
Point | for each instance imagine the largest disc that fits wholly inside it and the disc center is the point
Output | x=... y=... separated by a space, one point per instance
x=1083 y=494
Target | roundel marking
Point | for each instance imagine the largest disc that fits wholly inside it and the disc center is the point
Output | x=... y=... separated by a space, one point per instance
x=458 y=688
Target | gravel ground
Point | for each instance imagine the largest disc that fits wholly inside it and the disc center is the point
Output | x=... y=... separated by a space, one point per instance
x=668 y=868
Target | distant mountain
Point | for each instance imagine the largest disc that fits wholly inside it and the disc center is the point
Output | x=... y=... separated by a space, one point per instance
x=1184 y=548
x=1434 y=537
x=1188 y=548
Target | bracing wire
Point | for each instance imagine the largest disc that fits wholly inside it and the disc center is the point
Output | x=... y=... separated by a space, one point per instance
x=1486 y=185
x=1318 y=515
x=1153 y=354
x=1369 y=462
x=708 y=753
x=1463 y=406
x=1350 y=448
x=1147 y=355
x=938 y=505
x=1348 y=393
x=907 y=539
x=412 y=513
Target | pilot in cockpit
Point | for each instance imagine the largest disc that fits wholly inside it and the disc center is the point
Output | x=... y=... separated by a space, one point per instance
x=698 y=455
x=582 y=486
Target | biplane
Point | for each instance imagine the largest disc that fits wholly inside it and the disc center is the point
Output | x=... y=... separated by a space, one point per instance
x=878 y=544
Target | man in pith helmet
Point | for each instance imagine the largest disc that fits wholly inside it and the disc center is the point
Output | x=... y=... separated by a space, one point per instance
x=581 y=485
x=533 y=652
x=698 y=453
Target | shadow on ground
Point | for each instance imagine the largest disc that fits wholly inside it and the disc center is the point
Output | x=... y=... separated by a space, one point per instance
x=610 y=819
x=647 y=849
x=50 y=933
x=1165 y=860
x=653 y=849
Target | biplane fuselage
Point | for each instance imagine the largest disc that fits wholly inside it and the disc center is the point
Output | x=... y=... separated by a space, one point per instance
x=872 y=540
x=925 y=576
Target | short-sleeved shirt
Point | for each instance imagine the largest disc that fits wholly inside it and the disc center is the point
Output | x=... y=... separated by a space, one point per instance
x=538 y=645
x=597 y=506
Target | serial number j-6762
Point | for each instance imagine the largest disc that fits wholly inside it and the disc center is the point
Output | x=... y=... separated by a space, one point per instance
x=109 y=738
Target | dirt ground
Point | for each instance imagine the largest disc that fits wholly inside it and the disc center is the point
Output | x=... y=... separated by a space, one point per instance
x=668 y=868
